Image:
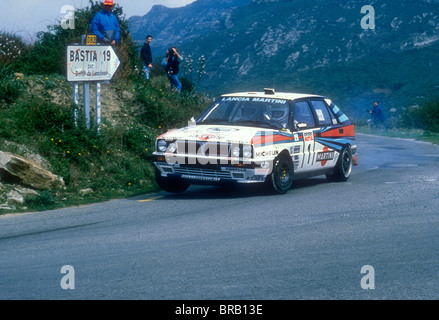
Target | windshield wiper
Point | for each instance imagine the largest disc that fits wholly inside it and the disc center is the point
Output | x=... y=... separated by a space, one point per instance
x=258 y=123
x=208 y=121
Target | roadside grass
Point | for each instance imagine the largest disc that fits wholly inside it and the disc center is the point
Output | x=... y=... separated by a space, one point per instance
x=406 y=133
x=96 y=166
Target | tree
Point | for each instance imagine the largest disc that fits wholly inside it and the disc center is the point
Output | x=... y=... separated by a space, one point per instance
x=48 y=53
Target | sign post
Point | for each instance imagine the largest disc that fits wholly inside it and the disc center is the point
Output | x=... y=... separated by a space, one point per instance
x=90 y=63
x=86 y=96
x=75 y=102
x=98 y=106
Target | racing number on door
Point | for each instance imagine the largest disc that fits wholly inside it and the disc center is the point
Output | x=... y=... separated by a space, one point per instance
x=303 y=115
x=308 y=149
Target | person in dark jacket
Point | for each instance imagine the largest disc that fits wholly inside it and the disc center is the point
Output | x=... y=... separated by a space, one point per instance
x=171 y=63
x=146 y=55
x=377 y=115
x=105 y=25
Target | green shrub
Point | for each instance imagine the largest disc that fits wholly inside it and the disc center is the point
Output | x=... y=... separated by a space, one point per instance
x=10 y=86
x=425 y=116
x=45 y=200
x=12 y=48
x=41 y=115
x=164 y=109
x=139 y=140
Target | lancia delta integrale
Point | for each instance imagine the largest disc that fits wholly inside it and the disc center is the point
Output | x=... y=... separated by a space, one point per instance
x=258 y=137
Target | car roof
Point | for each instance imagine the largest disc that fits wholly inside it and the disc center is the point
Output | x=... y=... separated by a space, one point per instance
x=271 y=94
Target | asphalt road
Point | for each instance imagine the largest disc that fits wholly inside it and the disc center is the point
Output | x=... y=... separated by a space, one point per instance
x=212 y=243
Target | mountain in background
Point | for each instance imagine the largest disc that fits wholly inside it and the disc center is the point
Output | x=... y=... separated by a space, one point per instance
x=174 y=26
x=308 y=46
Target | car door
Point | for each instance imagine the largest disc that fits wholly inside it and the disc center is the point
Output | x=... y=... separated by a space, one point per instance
x=325 y=156
x=304 y=125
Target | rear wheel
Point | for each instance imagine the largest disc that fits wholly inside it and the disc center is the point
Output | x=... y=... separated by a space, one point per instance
x=343 y=168
x=281 y=178
x=173 y=185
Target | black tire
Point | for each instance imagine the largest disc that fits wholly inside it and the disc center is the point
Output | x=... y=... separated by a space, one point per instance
x=281 y=178
x=343 y=168
x=173 y=185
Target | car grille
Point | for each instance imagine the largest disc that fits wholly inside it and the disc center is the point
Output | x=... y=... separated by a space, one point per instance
x=204 y=148
x=203 y=172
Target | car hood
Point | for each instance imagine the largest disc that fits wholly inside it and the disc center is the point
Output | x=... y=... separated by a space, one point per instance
x=214 y=133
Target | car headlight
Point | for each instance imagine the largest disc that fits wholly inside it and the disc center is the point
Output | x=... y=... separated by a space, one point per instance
x=247 y=151
x=172 y=147
x=236 y=152
x=162 y=145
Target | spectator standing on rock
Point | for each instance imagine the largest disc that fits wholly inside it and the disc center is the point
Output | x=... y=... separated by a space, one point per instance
x=146 y=56
x=105 y=25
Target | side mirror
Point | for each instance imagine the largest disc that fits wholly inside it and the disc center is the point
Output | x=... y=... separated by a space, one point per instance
x=192 y=123
x=301 y=125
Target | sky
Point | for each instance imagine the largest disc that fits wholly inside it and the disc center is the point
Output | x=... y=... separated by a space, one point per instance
x=27 y=17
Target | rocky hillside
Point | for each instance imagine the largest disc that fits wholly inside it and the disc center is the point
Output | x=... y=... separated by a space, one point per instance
x=20 y=178
x=317 y=46
x=174 y=26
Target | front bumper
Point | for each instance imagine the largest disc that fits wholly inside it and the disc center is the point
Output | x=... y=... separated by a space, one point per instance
x=211 y=172
x=354 y=155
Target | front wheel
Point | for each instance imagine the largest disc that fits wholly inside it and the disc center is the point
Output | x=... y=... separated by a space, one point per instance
x=343 y=168
x=281 y=179
x=173 y=185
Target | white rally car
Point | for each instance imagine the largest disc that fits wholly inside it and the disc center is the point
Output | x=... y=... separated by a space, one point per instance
x=258 y=137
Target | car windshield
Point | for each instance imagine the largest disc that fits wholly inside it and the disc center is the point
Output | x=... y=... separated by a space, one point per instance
x=247 y=111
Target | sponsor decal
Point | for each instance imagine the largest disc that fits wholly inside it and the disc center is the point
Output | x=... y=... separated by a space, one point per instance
x=233 y=169
x=267 y=100
x=308 y=136
x=325 y=155
x=222 y=129
x=187 y=176
x=322 y=156
x=255 y=99
x=267 y=153
x=320 y=115
x=239 y=99
x=207 y=137
x=256 y=178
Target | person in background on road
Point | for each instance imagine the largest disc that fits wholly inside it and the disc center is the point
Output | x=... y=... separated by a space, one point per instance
x=377 y=115
x=171 y=63
x=146 y=56
x=105 y=25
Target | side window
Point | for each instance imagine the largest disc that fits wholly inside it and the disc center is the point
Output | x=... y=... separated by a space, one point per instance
x=302 y=113
x=323 y=116
x=332 y=114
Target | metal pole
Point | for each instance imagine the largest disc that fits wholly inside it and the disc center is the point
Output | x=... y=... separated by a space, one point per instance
x=98 y=106
x=87 y=103
x=75 y=102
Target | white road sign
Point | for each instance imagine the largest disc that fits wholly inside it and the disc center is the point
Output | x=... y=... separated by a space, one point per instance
x=91 y=63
